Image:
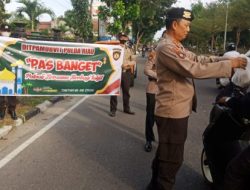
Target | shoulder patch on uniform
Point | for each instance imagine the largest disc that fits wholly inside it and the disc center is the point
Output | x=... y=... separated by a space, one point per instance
x=182 y=55
x=179 y=52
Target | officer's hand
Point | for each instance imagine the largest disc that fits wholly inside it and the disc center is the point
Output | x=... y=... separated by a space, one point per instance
x=239 y=62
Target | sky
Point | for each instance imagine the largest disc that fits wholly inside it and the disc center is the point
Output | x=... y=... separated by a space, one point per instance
x=60 y=6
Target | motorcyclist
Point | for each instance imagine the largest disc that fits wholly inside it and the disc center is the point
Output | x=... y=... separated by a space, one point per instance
x=238 y=170
x=237 y=173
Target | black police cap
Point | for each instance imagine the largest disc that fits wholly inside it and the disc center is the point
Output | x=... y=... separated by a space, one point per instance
x=179 y=13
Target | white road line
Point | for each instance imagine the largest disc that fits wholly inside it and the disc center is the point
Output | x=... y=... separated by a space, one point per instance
x=19 y=149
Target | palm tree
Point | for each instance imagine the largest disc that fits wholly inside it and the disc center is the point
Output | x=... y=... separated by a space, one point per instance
x=3 y=15
x=34 y=9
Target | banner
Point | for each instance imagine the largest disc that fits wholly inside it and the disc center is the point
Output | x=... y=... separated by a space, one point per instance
x=59 y=68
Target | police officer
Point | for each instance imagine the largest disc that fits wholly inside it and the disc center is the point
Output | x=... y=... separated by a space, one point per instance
x=151 y=90
x=9 y=101
x=176 y=68
x=127 y=74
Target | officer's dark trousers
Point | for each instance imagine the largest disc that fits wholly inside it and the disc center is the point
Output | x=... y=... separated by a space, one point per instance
x=169 y=156
x=150 y=117
x=11 y=102
x=125 y=85
x=237 y=175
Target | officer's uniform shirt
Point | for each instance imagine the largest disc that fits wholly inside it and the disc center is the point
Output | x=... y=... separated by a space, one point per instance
x=150 y=71
x=176 y=67
x=128 y=58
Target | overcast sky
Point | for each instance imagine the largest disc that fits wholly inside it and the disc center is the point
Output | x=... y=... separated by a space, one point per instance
x=60 y=6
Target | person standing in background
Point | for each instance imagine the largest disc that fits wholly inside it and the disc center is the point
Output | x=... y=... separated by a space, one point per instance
x=151 y=90
x=127 y=74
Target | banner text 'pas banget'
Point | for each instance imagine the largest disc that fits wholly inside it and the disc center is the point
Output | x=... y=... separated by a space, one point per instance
x=58 y=68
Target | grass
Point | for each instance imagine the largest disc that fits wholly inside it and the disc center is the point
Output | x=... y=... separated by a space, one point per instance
x=24 y=105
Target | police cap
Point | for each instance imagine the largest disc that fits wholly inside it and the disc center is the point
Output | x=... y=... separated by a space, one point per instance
x=179 y=13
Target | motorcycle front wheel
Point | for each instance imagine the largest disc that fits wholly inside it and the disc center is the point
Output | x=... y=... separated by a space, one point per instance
x=205 y=168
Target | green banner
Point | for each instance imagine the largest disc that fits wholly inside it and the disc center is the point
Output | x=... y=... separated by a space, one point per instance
x=57 y=68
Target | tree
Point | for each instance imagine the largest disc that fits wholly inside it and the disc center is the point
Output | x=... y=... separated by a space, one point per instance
x=146 y=16
x=34 y=9
x=119 y=14
x=3 y=15
x=91 y=8
x=208 y=25
x=79 y=19
x=239 y=15
x=150 y=20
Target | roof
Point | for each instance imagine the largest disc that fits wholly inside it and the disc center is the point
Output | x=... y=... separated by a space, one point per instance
x=7 y=75
x=109 y=42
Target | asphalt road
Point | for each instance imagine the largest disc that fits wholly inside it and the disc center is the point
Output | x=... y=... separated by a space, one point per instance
x=82 y=148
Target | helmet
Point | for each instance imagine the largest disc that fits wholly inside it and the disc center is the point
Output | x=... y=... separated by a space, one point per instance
x=231 y=47
x=5 y=30
x=5 y=27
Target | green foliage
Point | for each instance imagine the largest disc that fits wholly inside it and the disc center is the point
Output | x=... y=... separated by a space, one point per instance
x=3 y=14
x=119 y=14
x=145 y=16
x=151 y=18
x=210 y=20
x=79 y=19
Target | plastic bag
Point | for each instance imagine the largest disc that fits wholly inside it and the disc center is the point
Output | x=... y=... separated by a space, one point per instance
x=224 y=81
x=241 y=77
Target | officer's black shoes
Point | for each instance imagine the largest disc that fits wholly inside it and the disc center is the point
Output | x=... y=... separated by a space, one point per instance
x=129 y=112
x=148 y=146
x=112 y=114
x=2 y=114
x=13 y=115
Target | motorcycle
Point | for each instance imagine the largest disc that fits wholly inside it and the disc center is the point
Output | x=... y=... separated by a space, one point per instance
x=225 y=136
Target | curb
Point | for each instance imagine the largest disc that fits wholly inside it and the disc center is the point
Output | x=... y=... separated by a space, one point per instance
x=31 y=113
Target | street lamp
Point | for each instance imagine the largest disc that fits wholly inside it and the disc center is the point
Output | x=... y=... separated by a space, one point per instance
x=225 y=33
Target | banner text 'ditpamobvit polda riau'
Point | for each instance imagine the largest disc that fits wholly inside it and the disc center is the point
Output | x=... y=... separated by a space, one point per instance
x=58 y=68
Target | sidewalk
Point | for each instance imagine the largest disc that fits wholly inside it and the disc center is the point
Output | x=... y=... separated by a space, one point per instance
x=4 y=130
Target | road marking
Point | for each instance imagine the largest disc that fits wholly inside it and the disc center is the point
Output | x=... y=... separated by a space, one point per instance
x=24 y=145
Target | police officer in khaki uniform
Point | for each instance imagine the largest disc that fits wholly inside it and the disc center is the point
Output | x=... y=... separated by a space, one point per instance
x=127 y=74
x=176 y=68
x=9 y=101
x=151 y=90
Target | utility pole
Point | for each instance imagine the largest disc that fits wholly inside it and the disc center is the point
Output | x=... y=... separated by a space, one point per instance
x=225 y=33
